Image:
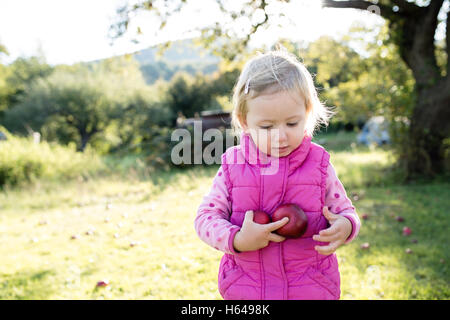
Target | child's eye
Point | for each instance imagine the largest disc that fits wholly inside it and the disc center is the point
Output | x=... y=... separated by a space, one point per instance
x=265 y=127
x=292 y=124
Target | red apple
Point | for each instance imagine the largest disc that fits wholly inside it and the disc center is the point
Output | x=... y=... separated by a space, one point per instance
x=298 y=221
x=103 y=283
x=406 y=231
x=261 y=217
x=134 y=243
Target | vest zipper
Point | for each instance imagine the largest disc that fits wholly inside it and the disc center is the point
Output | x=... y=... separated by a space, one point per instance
x=261 y=266
x=283 y=273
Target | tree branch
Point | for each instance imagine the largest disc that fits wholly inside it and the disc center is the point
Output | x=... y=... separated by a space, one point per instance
x=447 y=41
x=407 y=6
x=424 y=40
x=255 y=28
x=353 y=4
x=435 y=6
x=384 y=10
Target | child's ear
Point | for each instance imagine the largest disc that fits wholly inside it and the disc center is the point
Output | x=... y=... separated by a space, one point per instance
x=243 y=122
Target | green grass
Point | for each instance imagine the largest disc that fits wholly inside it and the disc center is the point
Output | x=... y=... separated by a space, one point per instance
x=386 y=270
x=142 y=237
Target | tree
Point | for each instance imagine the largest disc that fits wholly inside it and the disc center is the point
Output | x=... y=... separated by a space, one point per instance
x=338 y=70
x=188 y=95
x=360 y=87
x=106 y=105
x=77 y=103
x=14 y=78
x=412 y=26
x=4 y=74
x=23 y=71
x=73 y=105
x=412 y=29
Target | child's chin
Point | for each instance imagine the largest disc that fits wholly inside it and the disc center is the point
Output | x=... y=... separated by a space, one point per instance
x=278 y=154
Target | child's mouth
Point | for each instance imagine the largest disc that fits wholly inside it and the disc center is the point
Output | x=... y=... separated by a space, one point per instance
x=282 y=149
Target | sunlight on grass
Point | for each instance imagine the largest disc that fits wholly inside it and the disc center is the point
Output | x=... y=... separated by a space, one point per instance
x=363 y=167
x=137 y=235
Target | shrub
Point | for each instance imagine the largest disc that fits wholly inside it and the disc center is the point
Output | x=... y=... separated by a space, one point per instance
x=22 y=160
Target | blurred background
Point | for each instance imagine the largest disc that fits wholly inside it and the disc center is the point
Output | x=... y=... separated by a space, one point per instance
x=91 y=205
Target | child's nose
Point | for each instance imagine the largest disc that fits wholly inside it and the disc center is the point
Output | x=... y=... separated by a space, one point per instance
x=283 y=135
x=279 y=136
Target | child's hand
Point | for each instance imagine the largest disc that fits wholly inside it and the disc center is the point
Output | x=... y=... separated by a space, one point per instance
x=254 y=236
x=338 y=232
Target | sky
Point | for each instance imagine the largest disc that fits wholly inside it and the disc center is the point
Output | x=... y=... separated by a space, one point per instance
x=70 y=31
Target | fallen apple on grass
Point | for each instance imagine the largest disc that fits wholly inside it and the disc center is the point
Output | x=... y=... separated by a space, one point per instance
x=134 y=243
x=261 y=217
x=406 y=231
x=298 y=221
x=102 y=283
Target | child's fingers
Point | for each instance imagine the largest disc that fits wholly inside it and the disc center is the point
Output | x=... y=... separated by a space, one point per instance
x=330 y=216
x=248 y=216
x=277 y=224
x=326 y=250
x=322 y=238
x=329 y=231
x=276 y=237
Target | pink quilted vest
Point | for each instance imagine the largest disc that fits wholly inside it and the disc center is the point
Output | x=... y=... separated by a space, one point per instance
x=291 y=269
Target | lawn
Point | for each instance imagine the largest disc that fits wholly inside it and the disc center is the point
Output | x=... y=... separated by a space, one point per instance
x=58 y=240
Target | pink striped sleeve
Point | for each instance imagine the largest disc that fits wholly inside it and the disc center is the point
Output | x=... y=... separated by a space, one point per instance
x=212 y=222
x=337 y=201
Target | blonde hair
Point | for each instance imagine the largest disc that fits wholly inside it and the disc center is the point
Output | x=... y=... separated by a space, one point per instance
x=271 y=73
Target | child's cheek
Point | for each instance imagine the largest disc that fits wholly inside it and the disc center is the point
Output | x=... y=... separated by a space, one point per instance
x=264 y=147
x=262 y=141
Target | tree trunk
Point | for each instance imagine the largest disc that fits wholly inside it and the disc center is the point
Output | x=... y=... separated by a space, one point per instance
x=429 y=124
x=84 y=141
x=85 y=135
x=429 y=127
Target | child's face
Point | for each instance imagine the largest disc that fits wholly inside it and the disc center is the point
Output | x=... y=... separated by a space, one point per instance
x=276 y=122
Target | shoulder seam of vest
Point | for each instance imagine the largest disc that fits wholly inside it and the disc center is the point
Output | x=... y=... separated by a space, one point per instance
x=245 y=186
x=305 y=184
x=227 y=174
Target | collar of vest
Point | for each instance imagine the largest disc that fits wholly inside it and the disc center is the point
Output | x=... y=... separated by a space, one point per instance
x=254 y=157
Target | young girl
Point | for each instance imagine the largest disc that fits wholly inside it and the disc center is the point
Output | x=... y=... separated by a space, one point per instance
x=277 y=108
